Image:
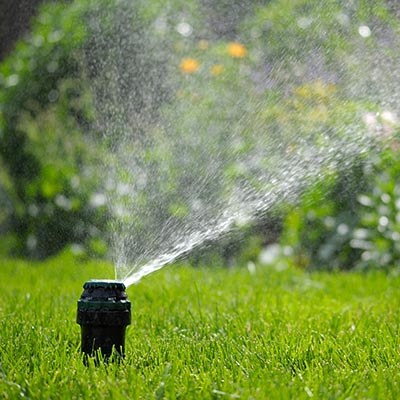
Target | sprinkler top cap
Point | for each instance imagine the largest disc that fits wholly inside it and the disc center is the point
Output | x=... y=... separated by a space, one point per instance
x=104 y=284
x=103 y=297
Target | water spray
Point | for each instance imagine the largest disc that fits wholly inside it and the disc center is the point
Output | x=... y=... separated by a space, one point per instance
x=104 y=312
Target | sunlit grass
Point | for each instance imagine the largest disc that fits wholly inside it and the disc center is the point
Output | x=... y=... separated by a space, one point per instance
x=205 y=333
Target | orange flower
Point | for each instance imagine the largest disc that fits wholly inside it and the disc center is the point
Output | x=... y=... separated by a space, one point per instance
x=217 y=69
x=237 y=50
x=189 y=65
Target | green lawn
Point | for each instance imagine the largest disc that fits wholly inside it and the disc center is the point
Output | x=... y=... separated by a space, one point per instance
x=205 y=334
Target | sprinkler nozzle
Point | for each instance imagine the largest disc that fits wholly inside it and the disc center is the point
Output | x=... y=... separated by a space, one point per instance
x=104 y=312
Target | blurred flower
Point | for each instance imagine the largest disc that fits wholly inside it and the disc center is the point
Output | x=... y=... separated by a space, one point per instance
x=203 y=45
x=370 y=119
x=184 y=29
x=317 y=89
x=237 y=50
x=217 y=69
x=389 y=118
x=382 y=124
x=189 y=65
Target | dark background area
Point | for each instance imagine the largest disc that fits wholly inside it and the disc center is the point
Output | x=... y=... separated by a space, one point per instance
x=15 y=19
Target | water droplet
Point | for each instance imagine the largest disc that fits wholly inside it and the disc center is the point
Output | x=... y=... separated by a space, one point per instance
x=385 y=198
x=98 y=200
x=383 y=221
x=304 y=22
x=53 y=96
x=270 y=254
x=31 y=242
x=38 y=40
x=343 y=229
x=343 y=19
x=364 y=31
x=52 y=67
x=12 y=80
x=184 y=29
x=63 y=202
x=75 y=182
x=389 y=117
x=55 y=36
x=33 y=210
x=365 y=200
x=251 y=267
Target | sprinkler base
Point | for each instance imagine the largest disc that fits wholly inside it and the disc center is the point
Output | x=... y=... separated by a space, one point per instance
x=104 y=312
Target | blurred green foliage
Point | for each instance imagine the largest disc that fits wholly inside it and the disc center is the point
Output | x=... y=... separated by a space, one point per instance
x=49 y=150
x=283 y=60
x=317 y=232
x=351 y=219
x=42 y=145
x=378 y=231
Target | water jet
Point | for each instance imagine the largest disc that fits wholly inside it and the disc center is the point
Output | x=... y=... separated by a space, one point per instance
x=103 y=313
x=200 y=135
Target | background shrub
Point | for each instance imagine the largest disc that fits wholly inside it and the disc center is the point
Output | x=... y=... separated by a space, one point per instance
x=42 y=147
x=351 y=220
x=241 y=98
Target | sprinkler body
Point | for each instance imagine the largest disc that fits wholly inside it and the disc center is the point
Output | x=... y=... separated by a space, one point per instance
x=104 y=312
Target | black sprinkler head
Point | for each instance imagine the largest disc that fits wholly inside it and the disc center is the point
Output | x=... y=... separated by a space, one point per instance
x=104 y=312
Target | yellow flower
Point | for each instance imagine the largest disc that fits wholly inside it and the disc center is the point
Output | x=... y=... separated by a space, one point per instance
x=217 y=69
x=203 y=45
x=317 y=89
x=237 y=50
x=189 y=65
